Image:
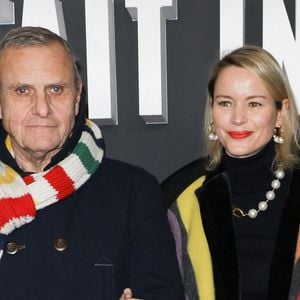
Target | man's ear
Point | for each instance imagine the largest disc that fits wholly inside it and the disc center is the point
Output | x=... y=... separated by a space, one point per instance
x=0 y=110
x=78 y=97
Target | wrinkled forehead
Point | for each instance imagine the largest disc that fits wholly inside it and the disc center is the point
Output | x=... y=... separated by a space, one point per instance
x=38 y=58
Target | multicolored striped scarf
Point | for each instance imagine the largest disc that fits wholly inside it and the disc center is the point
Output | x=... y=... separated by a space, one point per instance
x=20 y=198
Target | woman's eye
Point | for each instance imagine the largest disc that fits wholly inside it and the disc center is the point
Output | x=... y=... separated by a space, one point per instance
x=254 y=104
x=224 y=103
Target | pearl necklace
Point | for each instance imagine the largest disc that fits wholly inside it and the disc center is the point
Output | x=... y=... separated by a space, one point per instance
x=262 y=205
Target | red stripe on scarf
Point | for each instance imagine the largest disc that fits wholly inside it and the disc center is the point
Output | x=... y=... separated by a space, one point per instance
x=28 y=179
x=16 y=207
x=60 y=181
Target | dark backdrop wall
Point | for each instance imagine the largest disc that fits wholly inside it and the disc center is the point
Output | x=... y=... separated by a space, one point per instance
x=192 y=46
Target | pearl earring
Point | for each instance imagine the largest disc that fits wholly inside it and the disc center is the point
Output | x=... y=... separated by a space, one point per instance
x=278 y=135
x=212 y=136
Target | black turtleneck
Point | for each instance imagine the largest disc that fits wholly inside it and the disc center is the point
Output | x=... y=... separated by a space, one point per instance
x=250 y=178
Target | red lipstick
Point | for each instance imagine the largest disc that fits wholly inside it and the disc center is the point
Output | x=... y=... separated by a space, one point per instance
x=239 y=134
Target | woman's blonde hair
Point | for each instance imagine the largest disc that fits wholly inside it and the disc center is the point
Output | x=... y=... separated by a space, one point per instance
x=264 y=65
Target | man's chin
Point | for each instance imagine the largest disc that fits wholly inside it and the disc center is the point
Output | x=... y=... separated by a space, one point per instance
x=43 y=150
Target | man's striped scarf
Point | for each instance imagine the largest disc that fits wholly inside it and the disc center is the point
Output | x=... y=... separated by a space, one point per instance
x=21 y=197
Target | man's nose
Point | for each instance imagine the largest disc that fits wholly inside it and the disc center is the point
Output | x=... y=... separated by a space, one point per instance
x=41 y=104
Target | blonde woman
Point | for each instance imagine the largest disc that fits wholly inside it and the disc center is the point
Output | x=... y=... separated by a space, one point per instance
x=235 y=213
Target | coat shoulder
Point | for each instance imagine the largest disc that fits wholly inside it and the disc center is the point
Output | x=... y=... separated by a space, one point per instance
x=120 y=170
x=176 y=183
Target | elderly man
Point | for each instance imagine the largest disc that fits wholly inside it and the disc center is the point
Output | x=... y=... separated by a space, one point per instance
x=73 y=224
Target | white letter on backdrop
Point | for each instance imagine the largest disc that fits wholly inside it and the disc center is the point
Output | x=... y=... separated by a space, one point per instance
x=46 y=13
x=278 y=38
x=231 y=25
x=101 y=61
x=151 y=16
x=7 y=12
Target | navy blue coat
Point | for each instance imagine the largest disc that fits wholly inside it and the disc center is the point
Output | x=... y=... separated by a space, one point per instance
x=116 y=236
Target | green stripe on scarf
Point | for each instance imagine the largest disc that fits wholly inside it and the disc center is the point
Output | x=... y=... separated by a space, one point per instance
x=87 y=159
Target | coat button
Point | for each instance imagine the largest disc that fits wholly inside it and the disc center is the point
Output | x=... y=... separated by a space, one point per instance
x=12 y=248
x=60 y=244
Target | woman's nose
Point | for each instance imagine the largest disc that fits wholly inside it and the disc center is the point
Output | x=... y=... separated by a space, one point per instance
x=239 y=115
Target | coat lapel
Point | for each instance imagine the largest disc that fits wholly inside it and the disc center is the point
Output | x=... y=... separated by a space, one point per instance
x=295 y=284
x=285 y=251
x=216 y=211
